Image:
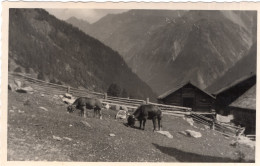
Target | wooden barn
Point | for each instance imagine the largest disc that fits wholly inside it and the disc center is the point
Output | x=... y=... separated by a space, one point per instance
x=244 y=111
x=188 y=95
x=228 y=94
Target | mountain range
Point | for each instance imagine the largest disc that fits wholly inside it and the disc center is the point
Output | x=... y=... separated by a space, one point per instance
x=41 y=44
x=168 y=47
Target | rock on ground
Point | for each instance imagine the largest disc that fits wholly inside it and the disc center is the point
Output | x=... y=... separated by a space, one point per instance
x=57 y=138
x=246 y=141
x=166 y=133
x=28 y=89
x=18 y=83
x=192 y=133
x=45 y=109
x=86 y=123
x=189 y=120
x=112 y=135
x=67 y=95
x=68 y=101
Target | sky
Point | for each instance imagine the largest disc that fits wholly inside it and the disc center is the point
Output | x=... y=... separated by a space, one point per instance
x=90 y=15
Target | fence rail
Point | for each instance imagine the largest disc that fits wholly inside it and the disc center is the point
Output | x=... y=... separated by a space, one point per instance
x=226 y=129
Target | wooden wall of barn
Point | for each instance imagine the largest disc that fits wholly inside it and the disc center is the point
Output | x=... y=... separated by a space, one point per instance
x=202 y=101
x=245 y=118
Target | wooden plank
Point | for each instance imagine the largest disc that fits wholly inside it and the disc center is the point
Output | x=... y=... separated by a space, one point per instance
x=172 y=114
x=176 y=112
x=121 y=103
x=137 y=100
x=170 y=106
x=125 y=100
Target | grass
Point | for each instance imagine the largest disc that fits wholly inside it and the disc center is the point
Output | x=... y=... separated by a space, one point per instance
x=31 y=131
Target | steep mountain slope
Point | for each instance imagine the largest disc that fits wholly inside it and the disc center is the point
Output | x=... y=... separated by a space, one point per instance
x=195 y=48
x=59 y=51
x=244 y=67
x=166 y=48
x=129 y=30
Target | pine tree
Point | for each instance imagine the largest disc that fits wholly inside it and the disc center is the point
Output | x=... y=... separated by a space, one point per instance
x=124 y=93
x=114 y=90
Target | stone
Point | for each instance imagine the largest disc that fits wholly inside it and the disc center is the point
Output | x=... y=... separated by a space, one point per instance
x=27 y=89
x=19 y=111
x=42 y=95
x=246 y=141
x=166 y=133
x=190 y=121
x=206 y=127
x=57 y=138
x=68 y=101
x=11 y=110
x=55 y=97
x=18 y=83
x=86 y=123
x=67 y=95
x=193 y=133
x=45 y=109
x=67 y=138
x=112 y=135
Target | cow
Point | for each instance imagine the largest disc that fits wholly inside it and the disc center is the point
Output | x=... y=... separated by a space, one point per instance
x=84 y=103
x=143 y=113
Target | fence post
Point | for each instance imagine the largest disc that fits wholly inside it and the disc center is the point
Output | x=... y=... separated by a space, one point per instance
x=68 y=89
x=105 y=95
x=213 y=125
x=147 y=100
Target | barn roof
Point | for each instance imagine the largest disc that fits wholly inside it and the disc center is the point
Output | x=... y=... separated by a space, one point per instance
x=247 y=100
x=179 y=87
x=234 y=83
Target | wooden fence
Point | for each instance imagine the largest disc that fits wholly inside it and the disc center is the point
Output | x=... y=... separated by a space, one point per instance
x=54 y=89
x=225 y=129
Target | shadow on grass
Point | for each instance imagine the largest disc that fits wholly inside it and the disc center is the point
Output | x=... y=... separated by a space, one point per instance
x=133 y=127
x=183 y=156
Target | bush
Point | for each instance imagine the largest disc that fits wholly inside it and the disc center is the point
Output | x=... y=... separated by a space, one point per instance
x=27 y=70
x=53 y=81
x=41 y=76
x=59 y=83
x=18 y=70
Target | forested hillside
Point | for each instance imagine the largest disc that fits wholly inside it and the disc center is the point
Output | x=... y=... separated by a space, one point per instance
x=58 y=52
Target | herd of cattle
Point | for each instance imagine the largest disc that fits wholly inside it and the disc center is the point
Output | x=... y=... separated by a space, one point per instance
x=141 y=114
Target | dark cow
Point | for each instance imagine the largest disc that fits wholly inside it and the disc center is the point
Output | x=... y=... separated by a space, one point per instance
x=145 y=112
x=84 y=103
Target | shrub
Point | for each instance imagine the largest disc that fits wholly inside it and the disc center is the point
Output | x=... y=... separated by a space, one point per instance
x=18 y=70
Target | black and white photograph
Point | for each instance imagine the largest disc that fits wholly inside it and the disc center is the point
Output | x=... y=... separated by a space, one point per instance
x=131 y=84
